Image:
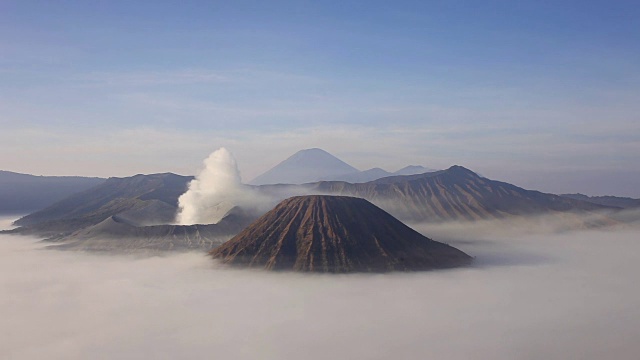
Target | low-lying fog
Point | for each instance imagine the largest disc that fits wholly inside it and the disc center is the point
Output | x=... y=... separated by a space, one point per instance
x=570 y=295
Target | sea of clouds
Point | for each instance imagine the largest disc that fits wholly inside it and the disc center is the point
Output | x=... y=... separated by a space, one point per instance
x=545 y=295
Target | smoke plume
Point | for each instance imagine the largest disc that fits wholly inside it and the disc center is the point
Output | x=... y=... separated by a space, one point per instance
x=215 y=190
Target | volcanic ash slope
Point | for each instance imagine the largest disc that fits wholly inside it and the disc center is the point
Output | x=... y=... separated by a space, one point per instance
x=335 y=234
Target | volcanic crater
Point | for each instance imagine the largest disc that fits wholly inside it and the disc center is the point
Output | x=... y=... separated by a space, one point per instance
x=335 y=234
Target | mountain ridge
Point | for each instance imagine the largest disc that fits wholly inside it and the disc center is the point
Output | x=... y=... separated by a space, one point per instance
x=378 y=173
x=456 y=193
x=117 y=194
x=607 y=200
x=24 y=193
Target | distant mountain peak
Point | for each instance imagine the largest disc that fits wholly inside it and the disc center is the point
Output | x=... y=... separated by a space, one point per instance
x=317 y=154
x=410 y=167
x=313 y=151
x=315 y=164
x=305 y=166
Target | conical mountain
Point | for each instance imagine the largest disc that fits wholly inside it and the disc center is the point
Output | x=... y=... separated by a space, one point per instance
x=305 y=166
x=335 y=234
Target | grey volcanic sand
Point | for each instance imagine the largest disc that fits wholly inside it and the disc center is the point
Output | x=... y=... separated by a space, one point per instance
x=570 y=295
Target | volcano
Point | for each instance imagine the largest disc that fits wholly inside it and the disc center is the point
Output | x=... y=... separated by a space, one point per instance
x=335 y=234
x=305 y=166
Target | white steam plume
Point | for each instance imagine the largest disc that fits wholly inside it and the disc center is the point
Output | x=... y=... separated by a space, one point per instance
x=215 y=191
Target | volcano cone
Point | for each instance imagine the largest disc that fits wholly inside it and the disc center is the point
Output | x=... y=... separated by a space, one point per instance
x=335 y=234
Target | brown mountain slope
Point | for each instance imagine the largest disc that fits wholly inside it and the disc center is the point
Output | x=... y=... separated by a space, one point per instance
x=453 y=194
x=335 y=234
x=147 y=199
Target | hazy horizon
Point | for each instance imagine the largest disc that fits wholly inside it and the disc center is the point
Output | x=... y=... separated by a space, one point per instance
x=586 y=184
x=542 y=95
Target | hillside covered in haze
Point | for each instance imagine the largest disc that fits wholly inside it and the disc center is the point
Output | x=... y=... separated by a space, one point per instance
x=454 y=194
x=139 y=212
x=311 y=165
x=23 y=193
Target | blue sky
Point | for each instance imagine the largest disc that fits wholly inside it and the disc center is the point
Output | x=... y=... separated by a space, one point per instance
x=544 y=94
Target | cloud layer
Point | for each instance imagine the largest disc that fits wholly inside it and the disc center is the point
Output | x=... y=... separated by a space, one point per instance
x=569 y=295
